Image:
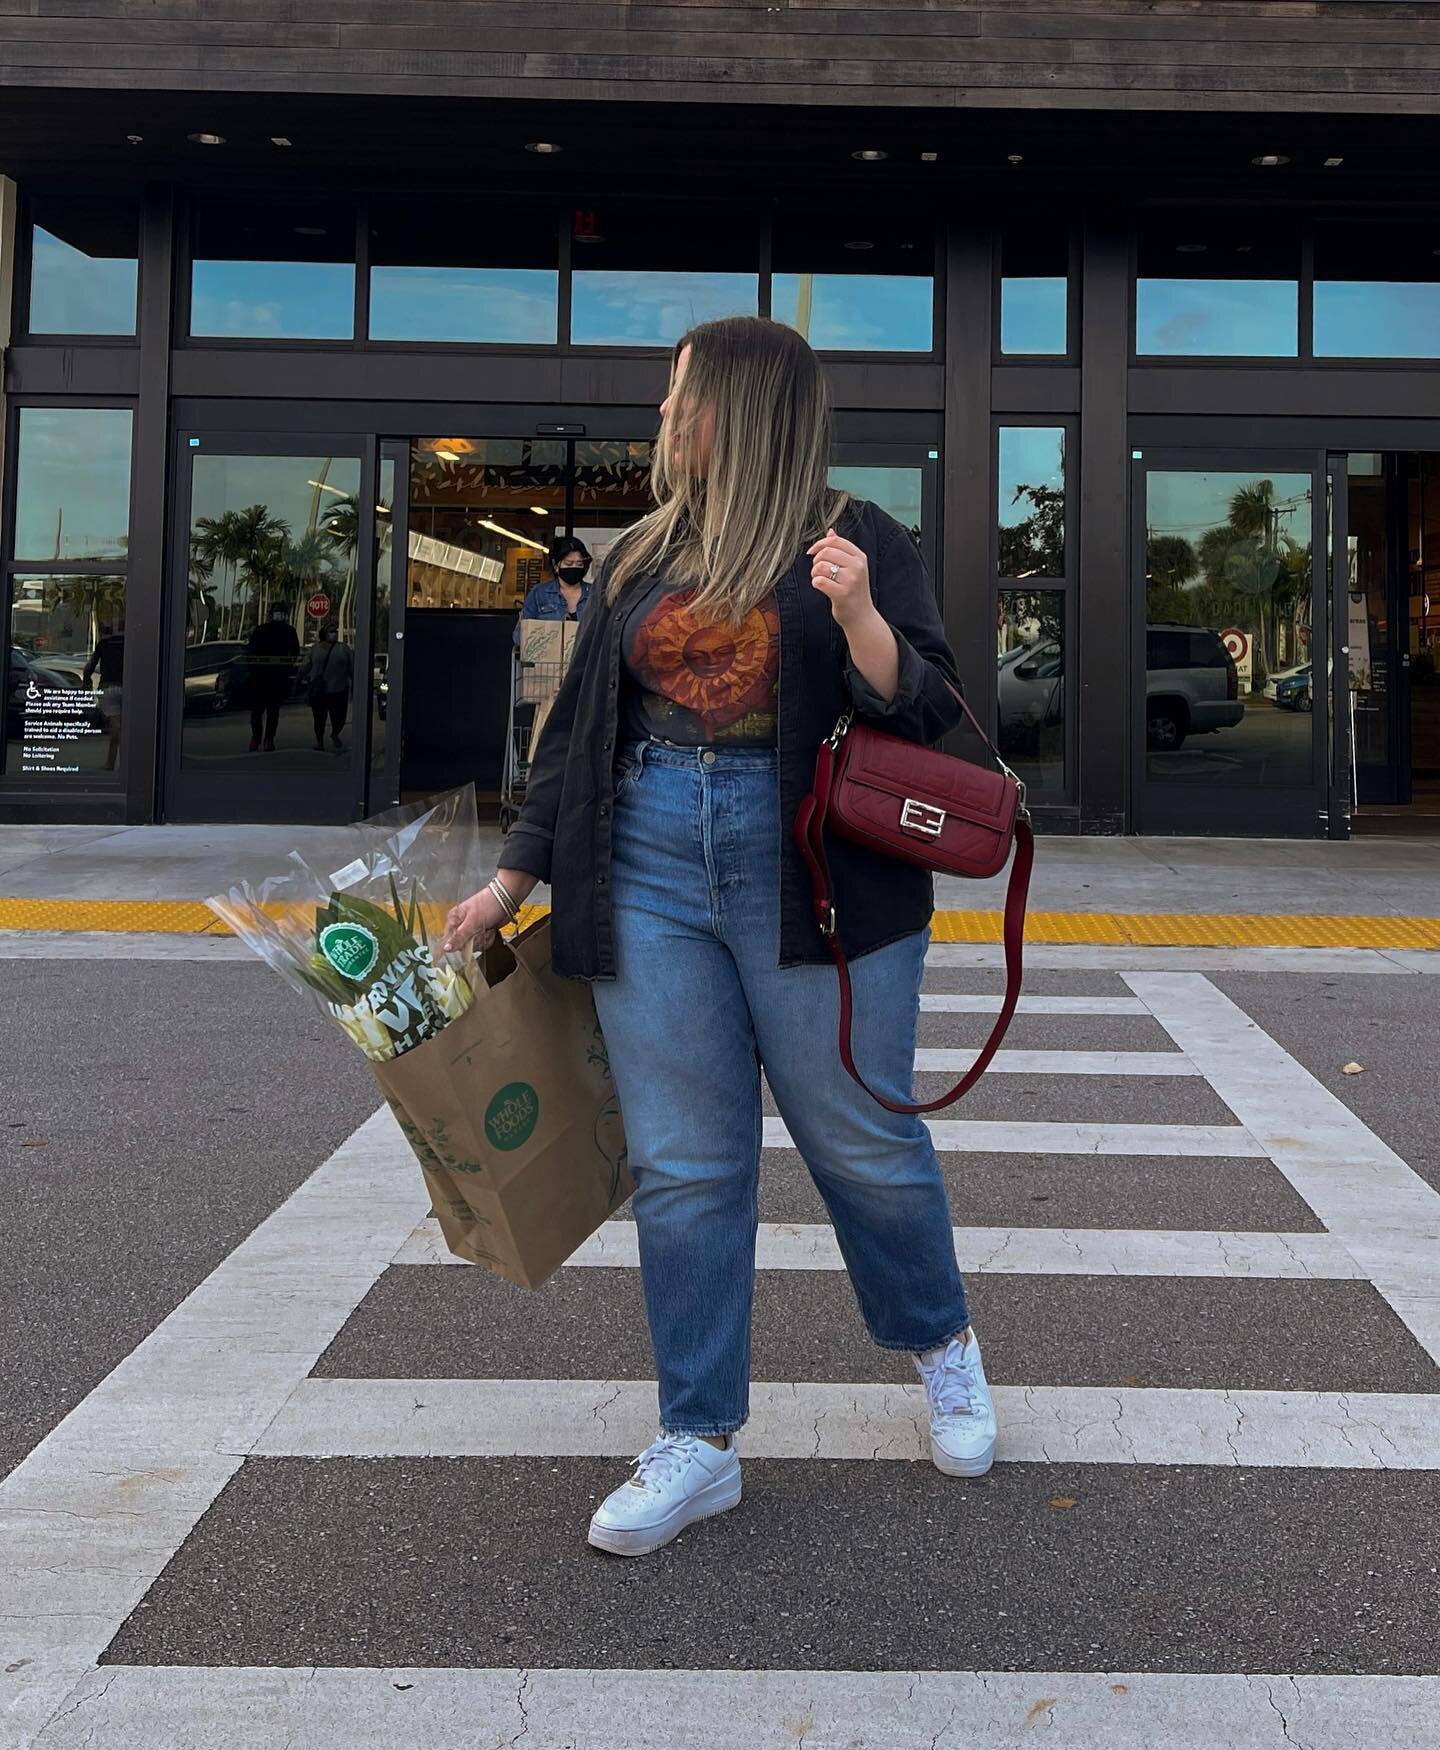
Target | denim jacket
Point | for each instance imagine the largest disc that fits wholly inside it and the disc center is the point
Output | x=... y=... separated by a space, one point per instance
x=563 y=833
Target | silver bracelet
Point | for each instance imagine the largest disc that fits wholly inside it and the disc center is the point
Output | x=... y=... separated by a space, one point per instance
x=508 y=903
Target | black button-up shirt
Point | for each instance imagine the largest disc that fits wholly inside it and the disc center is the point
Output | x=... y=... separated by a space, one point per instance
x=563 y=833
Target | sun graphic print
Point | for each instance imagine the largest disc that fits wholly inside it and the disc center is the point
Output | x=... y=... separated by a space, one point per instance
x=720 y=674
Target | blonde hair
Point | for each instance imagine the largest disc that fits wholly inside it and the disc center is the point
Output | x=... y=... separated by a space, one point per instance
x=734 y=530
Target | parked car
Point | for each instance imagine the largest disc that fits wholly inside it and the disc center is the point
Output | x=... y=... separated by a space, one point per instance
x=1030 y=688
x=1272 y=686
x=204 y=664
x=1292 y=690
x=1192 y=686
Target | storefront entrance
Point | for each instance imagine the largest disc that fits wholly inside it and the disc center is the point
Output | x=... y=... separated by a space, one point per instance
x=343 y=606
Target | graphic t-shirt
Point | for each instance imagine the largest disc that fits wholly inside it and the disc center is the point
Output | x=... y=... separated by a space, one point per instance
x=695 y=683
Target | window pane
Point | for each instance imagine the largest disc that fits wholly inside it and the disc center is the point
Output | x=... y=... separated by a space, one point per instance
x=273 y=271
x=272 y=562
x=65 y=677
x=641 y=278
x=1034 y=292
x=896 y=490
x=83 y=263
x=442 y=273
x=1377 y=292
x=1030 y=685
x=72 y=488
x=483 y=512
x=1213 y=288
x=856 y=282
x=1228 y=692
x=1032 y=501
x=611 y=491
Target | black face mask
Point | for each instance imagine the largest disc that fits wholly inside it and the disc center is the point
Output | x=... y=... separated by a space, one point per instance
x=572 y=573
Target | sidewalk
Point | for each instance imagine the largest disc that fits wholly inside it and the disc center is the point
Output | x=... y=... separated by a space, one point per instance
x=1186 y=891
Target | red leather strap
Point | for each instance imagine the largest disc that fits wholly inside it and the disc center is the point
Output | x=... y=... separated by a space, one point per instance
x=810 y=834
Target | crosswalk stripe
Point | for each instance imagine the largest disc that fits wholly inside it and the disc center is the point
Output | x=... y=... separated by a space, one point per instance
x=559 y=1418
x=962 y=1003
x=126 y=1707
x=1019 y=1251
x=1060 y=1063
x=1385 y=1214
x=1039 y=1137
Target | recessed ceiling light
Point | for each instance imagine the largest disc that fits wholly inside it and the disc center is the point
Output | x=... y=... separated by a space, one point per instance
x=1191 y=248
x=870 y=156
x=1015 y=158
x=545 y=148
x=859 y=243
x=206 y=139
x=135 y=139
x=447 y=455
x=1333 y=163
x=929 y=157
x=1270 y=160
x=280 y=140
x=538 y=510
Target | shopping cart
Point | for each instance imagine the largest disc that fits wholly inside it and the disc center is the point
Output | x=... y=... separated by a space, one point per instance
x=533 y=685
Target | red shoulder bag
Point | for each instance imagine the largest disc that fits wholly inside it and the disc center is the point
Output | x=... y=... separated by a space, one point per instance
x=931 y=809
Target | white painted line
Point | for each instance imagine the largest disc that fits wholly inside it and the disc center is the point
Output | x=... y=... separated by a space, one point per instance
x=956 y=1136
x=999 y=1251
x=960 y=1003
x=94 y=1513
x=179 y=1707
x=955 y=1060
x=118 y=945
x=1060 y=956
x=1382 y=1212
x=572 y=1418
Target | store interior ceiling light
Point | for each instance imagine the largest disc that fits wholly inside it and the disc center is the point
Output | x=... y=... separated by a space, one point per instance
x=1015 y=158
x=510 y=534
x=1191 y=248
x=538 y=510
x=206 y=139
x=1333 y=163
x=310 y=231
x=447 y=455
x=1270 y=160
x=280 y=140
x=544 y=148
x=929 y=157
x=135 y=139
x=870 y=155
x=859 y=243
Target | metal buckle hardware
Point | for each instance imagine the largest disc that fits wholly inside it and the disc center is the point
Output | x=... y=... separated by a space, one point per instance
x=827 y=924
x=922 y=817
x=839 y=732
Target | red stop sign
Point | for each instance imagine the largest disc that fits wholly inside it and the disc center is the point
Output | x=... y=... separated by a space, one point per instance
x=318 y=605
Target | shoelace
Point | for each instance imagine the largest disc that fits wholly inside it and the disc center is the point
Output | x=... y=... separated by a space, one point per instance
x=947 y=1385
x=662 y=1457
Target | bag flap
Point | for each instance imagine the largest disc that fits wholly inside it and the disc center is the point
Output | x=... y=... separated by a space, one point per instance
x=906 y=770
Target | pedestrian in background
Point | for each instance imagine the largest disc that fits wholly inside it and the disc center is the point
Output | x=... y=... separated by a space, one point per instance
x=565 y=592
x=271 y=652
x=735 y=624
x=328 y=679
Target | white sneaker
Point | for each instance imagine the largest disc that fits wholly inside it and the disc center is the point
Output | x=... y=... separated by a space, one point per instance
x=962 y=1412
x=677 y=1480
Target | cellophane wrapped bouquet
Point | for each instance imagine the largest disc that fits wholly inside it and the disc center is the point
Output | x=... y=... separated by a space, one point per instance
x=365 y=940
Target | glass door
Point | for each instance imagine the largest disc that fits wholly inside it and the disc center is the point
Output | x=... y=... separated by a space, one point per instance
x=1230 y=645
x=270 y=628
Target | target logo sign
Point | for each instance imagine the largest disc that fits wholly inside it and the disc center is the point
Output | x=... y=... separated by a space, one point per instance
x=1236 y=643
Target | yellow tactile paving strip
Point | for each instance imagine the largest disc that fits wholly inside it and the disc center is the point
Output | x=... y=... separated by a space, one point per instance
x=1106 y=929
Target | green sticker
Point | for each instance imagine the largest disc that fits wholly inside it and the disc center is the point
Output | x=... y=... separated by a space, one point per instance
x=512 y=1115
x=351 y=949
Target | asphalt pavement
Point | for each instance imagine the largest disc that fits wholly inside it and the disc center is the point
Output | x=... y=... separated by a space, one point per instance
x=277 y=1473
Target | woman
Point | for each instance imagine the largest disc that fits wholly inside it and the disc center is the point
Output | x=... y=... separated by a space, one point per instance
x=328 y=686
x=736 y=623
x=565 y=593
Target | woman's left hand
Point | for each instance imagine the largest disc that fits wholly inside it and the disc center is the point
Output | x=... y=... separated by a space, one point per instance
x=841 y=571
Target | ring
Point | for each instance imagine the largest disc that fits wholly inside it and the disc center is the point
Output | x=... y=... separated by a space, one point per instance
x=834 y=572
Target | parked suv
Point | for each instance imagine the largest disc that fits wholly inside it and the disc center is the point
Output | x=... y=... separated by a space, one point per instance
x=1191 y=685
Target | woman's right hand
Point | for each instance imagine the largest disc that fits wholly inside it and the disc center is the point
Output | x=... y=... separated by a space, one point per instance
x=478 y=918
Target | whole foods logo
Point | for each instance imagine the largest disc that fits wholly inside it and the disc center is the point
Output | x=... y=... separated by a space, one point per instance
x=512 y=1115
x=351 y=949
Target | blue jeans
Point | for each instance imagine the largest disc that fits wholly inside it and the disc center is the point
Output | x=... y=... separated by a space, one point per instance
x=700 y=1003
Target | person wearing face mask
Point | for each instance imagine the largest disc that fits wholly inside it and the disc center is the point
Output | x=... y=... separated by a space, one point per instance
x=563 y=596
x=271 y=653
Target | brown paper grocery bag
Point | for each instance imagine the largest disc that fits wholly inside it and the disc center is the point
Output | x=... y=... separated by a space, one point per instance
x=513 y=1117
x=546 y=647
